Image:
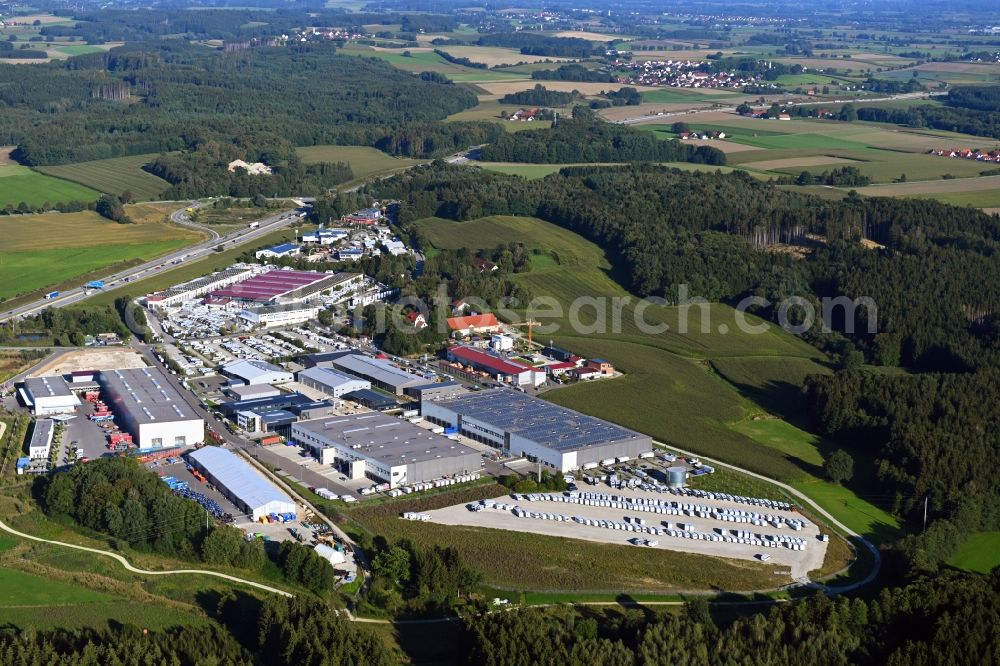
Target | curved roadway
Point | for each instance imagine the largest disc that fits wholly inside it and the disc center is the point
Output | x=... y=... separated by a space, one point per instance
x=814 y=507
x=125 y=563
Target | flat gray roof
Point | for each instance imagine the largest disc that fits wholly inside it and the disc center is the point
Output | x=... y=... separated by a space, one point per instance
x=329 y=376
x=550 y=425
x=387 y=439
x=41 y=435
x=147 y=395
x=251 y=369
x=47 y=387
x=378 y=370
x=238 y=477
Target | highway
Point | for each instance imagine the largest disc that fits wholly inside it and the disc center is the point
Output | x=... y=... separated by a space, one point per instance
x=165 y=262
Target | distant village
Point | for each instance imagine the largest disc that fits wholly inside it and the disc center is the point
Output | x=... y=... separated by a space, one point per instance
x=681 y=74
x=969 y=154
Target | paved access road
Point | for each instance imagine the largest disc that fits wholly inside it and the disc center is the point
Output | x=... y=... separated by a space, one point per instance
x=165 y=262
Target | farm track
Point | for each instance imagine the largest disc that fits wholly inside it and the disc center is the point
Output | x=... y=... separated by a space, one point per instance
x=129 y=567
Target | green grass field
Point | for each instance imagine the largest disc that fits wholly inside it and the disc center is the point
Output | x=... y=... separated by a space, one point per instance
x=114 y=176
x=23 y=589
x=364 y=161
x=79 y=49
x=51 y=249
x=21 y=184
x=980 y=553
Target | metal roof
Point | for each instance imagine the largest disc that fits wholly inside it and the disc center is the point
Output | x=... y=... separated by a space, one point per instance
x=387 y=439
x=47 y=387
x=41 y=435
x=377 y=370
x=549 y=425
x=251 y=370
x=237 y=477
x=329 y=377
x=147 y=395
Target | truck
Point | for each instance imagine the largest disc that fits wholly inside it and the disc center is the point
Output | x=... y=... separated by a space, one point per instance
x=95 y=284
x=51 y=295
x=253 y=225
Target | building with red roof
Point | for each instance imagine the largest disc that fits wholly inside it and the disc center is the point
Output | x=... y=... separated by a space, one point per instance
x=469 y=324
x=502 y=369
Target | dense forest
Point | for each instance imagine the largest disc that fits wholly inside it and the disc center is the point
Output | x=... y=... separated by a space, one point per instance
x=932 y=436
x=664 y=228
x=573 y=72
x=530 y=43
x=586 y=139
x=540 y=96
x=939 y=621
x=969 y=110
x=169 y=96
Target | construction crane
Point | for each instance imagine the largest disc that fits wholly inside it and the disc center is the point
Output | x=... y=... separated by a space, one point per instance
x=531 y=324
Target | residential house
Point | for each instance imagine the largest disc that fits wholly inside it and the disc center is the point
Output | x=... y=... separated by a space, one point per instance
x=470 y=324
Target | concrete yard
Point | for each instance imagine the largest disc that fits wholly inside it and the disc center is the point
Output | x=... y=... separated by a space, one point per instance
x=100 y=358
x=799 y=563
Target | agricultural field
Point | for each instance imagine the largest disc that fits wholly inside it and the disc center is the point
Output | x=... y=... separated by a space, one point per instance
x=116 y=175
x=425 y=60
x=53 y=248
x=983 y=192
x=492 y=56
x=20 y=184
x=524 y=561
x=884 y=153
x=980 y=553
x=364 y=161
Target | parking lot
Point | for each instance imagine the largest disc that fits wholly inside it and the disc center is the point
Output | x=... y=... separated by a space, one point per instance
x=795 y=562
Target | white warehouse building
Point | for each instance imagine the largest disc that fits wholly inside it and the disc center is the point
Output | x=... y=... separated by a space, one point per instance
x=520 y=425
x=331 y=382
x=49 y=395
x=148 y=406
x=41 y=439
x=241 y=483
x=256 y=372
x=384 y=448
x=272 y=316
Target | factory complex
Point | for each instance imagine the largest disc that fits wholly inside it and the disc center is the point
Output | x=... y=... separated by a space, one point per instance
x=384 y=448
x=521 y=425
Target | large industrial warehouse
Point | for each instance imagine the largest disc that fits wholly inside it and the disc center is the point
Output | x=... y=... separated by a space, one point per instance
x=240 y=483
x=381 y=373
x=150 y=408
x=524 y=426
x=384 y=448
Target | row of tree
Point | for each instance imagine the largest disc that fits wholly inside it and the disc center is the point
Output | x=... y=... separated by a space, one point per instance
x=930 y=622
x=587 y=139
x=935 y=286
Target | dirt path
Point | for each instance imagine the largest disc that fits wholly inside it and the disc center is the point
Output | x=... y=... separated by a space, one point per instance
x=128 y=566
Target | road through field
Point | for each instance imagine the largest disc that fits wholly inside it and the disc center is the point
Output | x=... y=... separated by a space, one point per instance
x=128 y=566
